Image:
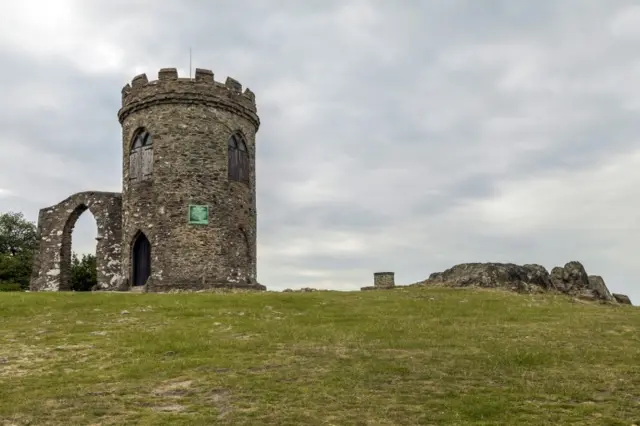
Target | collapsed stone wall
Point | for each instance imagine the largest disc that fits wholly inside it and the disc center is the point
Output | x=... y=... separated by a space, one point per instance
x=52 y=263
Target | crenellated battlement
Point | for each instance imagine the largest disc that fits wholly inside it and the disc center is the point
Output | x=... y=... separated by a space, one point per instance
x=202 y=88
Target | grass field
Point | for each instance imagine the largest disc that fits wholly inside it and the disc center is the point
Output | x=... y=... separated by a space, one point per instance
x=402 y=357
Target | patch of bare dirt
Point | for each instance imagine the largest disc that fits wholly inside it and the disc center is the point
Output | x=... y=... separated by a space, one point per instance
x=174 y=389
x=219 y=398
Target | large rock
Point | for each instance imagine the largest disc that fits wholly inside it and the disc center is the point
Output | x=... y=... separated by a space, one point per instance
x=596 y=283
x=526 y=278
x=621 y=298
x=300 y=290
x=572 y=279
x=557 y=278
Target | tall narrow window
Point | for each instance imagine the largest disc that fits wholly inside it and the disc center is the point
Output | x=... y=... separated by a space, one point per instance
x=141 y=156
x=238 y=159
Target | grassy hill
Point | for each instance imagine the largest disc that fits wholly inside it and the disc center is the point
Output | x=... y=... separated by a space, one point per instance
x=402 y=357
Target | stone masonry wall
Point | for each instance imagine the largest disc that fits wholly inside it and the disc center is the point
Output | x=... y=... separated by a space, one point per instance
x=52 y=264
x=384 y=279
x=381 y=281
x=190 y=122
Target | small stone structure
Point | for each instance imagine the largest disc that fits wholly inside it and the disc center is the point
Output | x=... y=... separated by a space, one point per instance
x=382 y=281
x=186 y=217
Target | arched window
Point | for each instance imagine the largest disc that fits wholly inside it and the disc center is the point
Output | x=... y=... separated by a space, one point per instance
x=141 y=156
x=238 y=161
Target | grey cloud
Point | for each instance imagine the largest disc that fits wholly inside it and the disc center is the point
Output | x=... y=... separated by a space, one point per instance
x=78 y=129
x=383 y=122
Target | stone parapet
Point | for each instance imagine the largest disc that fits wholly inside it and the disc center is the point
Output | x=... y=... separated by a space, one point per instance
x=169 y=88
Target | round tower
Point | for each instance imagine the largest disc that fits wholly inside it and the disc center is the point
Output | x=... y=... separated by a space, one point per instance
x=188 y=182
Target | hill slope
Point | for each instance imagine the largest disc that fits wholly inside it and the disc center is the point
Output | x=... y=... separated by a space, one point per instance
x=408 y=356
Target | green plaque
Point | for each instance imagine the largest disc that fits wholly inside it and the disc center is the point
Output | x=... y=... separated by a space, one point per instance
x=198 y=215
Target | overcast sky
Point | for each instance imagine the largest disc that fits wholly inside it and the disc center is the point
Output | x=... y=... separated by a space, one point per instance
x=402 y=136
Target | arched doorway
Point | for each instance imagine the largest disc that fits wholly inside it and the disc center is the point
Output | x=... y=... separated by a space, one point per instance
x=78 y=272
x=140 y=260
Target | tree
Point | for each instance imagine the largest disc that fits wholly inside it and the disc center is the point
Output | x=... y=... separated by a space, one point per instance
x=16 y=269
x=18 y=243
x=17 y=235
x=83 y=272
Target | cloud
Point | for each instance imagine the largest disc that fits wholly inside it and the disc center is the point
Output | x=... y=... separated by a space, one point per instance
x=626 y=23
x=405 y=137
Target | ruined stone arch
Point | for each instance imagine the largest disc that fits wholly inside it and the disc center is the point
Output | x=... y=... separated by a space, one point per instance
x=52 y=263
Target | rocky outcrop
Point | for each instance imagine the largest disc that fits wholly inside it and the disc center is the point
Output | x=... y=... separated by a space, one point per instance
x=572 y=279
x=622 y=299
x=300 y=290
x=525 y=278
x=596 y=283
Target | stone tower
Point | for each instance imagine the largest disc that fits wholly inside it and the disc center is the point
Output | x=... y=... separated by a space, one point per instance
x=188 y=182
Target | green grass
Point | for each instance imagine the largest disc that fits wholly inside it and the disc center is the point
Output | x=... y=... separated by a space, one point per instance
x=403 y=357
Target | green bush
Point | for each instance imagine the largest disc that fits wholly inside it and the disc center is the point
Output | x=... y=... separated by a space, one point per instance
x=10 y=287
x=83 y=272
x=18 y=242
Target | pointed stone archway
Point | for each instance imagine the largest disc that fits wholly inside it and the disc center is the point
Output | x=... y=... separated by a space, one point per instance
x=52 y=263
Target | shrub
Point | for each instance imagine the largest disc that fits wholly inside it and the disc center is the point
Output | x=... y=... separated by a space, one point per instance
x=6 y=286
